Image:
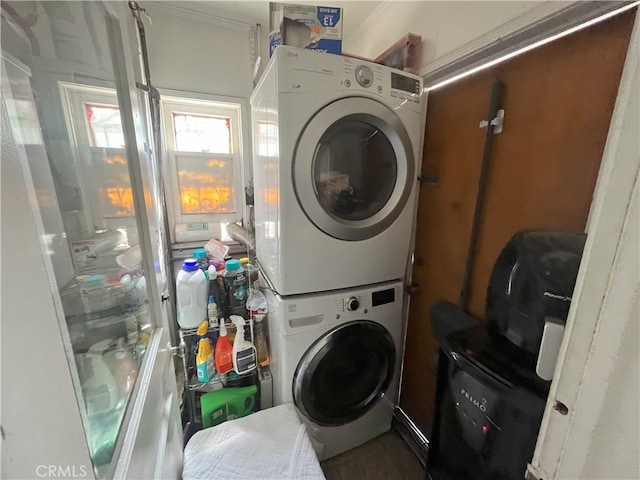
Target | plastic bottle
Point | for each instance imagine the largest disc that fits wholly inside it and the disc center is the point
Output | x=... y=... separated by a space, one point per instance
x=224 y=352
x=252 y=275
x=123 y=368
x=227 y=404
x=200 y=255
x=99 y=386
x=216 y=288
x=205 y=367
x=231 y=331
x=212 y=311
x=244 y=353
x=211 y=270
x=260 y=334
x=191 y=291
x=235 y=282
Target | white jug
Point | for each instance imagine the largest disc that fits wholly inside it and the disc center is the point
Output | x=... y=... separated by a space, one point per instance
x=191 y=290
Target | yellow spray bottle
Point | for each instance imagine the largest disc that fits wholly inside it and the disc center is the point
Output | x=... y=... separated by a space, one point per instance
x=205 y=365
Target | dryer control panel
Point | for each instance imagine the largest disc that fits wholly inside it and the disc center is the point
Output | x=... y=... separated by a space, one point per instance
x=382 y=80
x=305 y=71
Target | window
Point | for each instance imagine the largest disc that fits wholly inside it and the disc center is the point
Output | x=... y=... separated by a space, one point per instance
x=104 y=125
x=203 y=140
x=202 y=133
x=95 y=128
x=203 y=162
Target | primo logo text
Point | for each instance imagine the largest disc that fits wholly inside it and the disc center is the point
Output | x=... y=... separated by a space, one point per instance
x=474 y=401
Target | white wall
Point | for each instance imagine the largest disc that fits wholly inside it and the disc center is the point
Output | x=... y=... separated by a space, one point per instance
x=194 y=55
x=444 y=26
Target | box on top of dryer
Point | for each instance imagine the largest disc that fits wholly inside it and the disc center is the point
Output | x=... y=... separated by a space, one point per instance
x=305 y=26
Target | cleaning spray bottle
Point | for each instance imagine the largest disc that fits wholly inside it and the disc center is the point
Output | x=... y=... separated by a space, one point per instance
x=205 y=367
x=244 y=353
x=224 y=352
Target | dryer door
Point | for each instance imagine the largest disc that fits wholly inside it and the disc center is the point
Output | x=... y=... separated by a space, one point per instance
x=353 y=168
x=344 y=373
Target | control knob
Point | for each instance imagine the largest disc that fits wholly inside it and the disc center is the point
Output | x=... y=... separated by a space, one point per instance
x=364 y=76
x=352 y=304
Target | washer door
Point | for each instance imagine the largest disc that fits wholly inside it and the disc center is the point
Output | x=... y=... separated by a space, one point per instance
x=344 y=373
x=353 y=168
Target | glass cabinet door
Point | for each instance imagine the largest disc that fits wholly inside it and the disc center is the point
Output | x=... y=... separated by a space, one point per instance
x=61 y=85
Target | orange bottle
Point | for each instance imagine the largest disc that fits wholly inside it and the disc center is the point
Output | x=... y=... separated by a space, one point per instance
x=224 y=352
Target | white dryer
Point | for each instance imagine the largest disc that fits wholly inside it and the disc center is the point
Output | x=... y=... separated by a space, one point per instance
x=337 y=357
x=337 y=151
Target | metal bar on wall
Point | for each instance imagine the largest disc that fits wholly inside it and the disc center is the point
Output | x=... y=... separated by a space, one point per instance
x=494 y=105
x=154 y=113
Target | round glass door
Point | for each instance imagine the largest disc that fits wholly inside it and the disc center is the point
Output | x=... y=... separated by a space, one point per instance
x=344 y=373
x=353 y=168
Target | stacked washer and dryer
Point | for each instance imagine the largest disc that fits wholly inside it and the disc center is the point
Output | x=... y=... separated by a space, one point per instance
x=337 y=149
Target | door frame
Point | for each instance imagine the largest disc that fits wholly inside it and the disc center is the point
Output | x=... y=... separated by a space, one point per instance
x=525 y=31
x=540 y=24
x=156 y=391
x=603 y=296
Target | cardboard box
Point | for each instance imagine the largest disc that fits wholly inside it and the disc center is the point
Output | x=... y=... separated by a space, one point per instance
x=305 y=26
x=405 y=54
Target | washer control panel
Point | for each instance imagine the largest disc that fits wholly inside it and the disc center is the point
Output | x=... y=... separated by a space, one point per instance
x=352 y=304
x=363 y=302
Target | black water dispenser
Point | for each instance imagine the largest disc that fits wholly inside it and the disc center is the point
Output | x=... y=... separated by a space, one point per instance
x=493 y=379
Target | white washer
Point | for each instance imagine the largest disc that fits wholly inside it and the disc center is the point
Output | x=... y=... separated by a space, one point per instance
x=337 y=357
x=337 y=152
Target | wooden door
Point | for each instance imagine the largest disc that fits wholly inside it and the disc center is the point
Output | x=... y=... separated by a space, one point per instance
x=558 y=101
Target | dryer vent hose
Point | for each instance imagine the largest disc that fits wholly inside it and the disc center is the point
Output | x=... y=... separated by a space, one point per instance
x=240 y=234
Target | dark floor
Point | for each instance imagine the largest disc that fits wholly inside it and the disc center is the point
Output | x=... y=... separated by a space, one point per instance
x=386 y=457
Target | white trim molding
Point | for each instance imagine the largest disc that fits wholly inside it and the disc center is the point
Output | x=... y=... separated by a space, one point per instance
x=593 y=366
x=541 y=22
x=368 y=24
x=180 y=9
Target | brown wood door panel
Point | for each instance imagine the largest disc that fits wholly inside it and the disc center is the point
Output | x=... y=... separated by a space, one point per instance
x=454 y=155
x=558 y=101
x=545 y=164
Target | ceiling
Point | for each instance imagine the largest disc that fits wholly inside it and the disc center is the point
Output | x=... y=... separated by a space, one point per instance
x=354 y=12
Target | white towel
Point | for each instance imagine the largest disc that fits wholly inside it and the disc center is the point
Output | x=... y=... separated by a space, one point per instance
x=268 y=445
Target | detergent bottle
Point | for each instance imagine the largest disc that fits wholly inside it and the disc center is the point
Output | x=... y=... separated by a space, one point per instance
x=205 y=367
x=235 y=282
x=224 y=352
x=244 y=352
x=226 y=404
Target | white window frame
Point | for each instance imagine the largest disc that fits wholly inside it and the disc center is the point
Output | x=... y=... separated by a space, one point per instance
x=201 y=227
x=184 y=227
x=74 y=97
